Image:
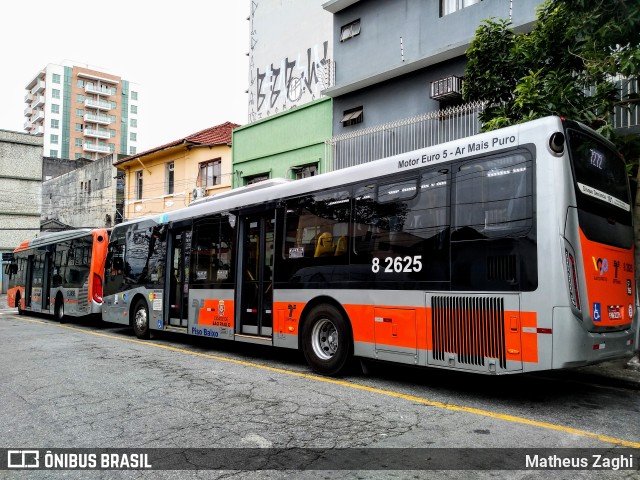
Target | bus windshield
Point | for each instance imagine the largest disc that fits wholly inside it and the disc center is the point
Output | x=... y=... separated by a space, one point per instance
x=601 y=189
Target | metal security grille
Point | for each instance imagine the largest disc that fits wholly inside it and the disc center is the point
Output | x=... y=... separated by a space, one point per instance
x=373 y=143
x=470 y=327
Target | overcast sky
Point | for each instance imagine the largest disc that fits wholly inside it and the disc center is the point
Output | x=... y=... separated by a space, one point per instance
x=189 y=57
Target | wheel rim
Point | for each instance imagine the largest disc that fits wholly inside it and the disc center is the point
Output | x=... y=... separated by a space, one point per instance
x=324 y=339
x=141 y=319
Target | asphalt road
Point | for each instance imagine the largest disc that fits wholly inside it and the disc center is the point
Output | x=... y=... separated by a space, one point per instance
x=94 y=385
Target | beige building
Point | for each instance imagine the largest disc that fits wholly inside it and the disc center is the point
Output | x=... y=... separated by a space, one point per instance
x=170 y=176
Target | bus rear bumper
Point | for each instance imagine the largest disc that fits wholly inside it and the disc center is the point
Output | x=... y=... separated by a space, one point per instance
x=574 y=346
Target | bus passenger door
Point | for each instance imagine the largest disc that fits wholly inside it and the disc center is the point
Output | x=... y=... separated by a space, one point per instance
x=255 y=276
x=47 y=271
x=29 y=282
x=180 y=253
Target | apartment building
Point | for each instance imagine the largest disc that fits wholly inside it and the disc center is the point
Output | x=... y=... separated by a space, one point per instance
x=82 y=113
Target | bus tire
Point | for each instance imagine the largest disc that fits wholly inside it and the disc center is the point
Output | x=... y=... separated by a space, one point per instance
x=19 y=304
x=58 y=309
x=326 y=340
x=141 y=319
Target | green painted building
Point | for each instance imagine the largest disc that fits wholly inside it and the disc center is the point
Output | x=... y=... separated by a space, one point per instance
x=287 y=145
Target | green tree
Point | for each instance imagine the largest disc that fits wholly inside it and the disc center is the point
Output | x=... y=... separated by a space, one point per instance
x=566 y=66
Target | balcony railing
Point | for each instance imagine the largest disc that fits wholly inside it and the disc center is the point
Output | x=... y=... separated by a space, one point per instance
x=38 y=100
x=97 y=89
x=101 y=119
x=28 y=97
x=99 y=104
x=28 y=111
x=37 y=116
x=99 y=133
x=39 y=130
x=39 y=87
x=402 y=136
x=96 y=147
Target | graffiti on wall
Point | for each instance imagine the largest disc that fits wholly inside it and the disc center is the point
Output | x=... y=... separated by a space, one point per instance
x=292 y=81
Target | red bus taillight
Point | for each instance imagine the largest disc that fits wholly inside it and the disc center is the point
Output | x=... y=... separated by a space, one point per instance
x=97 y=288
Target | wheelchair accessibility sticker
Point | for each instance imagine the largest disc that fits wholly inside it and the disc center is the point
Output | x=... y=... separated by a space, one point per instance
x=597 y=312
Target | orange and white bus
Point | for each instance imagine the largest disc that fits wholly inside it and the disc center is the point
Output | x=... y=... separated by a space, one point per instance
x=59 y=273
x=510 y=251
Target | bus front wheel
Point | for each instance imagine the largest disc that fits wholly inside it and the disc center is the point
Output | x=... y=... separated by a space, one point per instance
x=326 y=340
x=141 y=320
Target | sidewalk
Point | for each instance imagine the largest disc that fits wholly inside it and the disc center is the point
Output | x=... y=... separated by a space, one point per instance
x=615 y=371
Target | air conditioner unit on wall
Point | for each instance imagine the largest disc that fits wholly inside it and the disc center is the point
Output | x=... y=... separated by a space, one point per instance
x=198 y=192
x=446 y=88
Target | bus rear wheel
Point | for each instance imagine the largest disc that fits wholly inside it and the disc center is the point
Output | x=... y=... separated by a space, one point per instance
x=326 y=340
x=141 y=320
x=58 y=309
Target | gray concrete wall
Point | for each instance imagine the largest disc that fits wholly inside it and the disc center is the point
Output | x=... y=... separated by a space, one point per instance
x=390 y=80
x=54 y=167
x=63 y=199
x=20 y=187
x=427 y=37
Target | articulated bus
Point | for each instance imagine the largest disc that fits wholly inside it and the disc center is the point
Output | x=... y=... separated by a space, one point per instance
x=59 y=273
x=510 y=251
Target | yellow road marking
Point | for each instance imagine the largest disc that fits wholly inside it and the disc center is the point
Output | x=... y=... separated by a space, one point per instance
x=380 y=391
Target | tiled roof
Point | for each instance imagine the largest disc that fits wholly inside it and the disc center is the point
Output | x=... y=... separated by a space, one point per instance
x=218 y=135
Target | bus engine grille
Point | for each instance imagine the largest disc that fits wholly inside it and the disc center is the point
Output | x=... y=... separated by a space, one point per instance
x=470 y=327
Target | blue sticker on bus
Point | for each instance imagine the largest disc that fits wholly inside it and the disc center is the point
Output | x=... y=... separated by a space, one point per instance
x=597 y=315
x=159 y=324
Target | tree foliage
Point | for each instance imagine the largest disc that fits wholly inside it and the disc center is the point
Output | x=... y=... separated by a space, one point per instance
x=565 y=66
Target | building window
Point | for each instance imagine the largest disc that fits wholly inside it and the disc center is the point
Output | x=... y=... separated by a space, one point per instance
x=306 y=171
x=77 y=156
x=353 y=116
x=114 y=105
x=55 y=108
x=139 y=185
x=78 y=142
x=55 y=93
x=112 y=147
x=113 y=118
x=133 y=136
x=134 y=95
x=132 y=150
x=450 y=6
x=55 y=78
x=80 y=83
x=168 y=176
x=79 y=112
x=79 y=127
x=55 y=123
x=112 y=133
x=114 y=90
x=53 y=153
x=54 y=139
x=79 y=98
x=210 y=173
x=256 y=178
x=134 y=122
x=134 y=109
x=350 y=30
